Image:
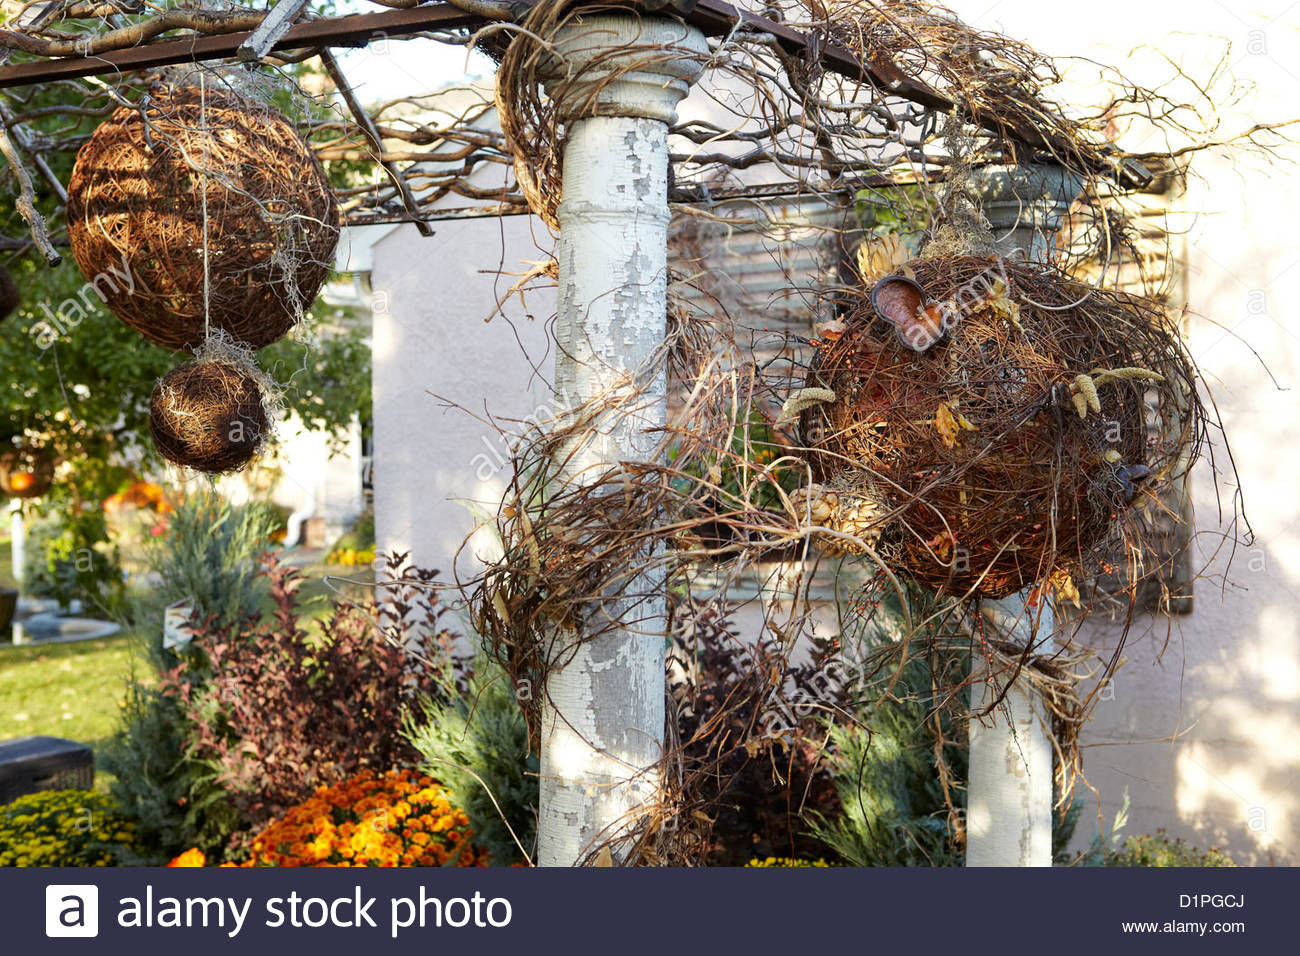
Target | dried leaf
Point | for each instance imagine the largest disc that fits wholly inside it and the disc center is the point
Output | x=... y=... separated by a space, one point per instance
x=831 y=330
x=878 y=257
x=947 y=425
x=950 y=423
x=1065 y=588
x=942 y=544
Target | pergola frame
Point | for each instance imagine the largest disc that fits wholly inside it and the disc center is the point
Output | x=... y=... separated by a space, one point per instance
x=603 y=177
x=713 y=17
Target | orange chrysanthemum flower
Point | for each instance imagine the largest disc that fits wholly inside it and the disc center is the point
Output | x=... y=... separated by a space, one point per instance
x=193 y=857
x=400 y=818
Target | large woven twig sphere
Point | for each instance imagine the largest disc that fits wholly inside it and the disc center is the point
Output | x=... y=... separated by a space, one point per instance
x=209 y=416
x=991 y=480
x=136 y=220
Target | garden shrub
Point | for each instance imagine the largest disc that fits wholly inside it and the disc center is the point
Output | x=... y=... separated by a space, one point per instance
x=887 y=774
x=398 y=818
x=285 y=710
x=1157 y=850
x=754 y=789
x=64 y=828
x=171 y=797
x=475 y=742
x=69 y=557
x=892 y=810
x=209 y=554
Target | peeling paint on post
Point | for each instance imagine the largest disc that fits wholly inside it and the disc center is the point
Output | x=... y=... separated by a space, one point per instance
x=603 y=714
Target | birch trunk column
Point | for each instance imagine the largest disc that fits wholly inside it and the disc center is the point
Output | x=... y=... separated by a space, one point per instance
x=1009 y=791
x=603 y=710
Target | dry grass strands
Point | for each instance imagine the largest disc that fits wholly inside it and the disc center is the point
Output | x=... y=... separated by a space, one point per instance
x=135 y=202
x=532 y=121
x=991 y=479
x=9 y=299
x=209 y=416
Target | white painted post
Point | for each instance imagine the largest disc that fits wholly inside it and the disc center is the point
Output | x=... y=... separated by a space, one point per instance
x=1009 y=793
x=603 y=712
x=17 y=540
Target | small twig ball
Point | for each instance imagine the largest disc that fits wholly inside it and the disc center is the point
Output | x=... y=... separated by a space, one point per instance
x=208 y=415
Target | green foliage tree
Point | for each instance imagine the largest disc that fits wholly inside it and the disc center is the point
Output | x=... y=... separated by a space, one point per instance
x=78 y=381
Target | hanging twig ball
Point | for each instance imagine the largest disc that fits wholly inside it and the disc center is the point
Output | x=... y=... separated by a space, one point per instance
x=8 y=294
x=26 y=472
x=136 y=217
x=208 y=415
x=1006 y=449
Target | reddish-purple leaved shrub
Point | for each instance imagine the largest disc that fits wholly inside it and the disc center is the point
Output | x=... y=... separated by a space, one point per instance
x=279 y=708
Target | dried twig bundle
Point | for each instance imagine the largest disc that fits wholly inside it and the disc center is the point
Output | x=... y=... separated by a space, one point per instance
x=137 y=216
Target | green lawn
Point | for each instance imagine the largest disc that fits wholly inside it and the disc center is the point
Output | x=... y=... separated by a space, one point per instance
x=74 y=690
x=64 y=690
x=61 y=690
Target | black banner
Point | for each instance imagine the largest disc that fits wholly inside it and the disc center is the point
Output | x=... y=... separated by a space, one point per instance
x=195 y=911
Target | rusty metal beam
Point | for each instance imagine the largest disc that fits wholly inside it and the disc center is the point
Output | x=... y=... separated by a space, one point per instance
x=356 y=30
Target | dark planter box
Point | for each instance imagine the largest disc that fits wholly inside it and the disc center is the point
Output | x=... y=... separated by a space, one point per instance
x=31 y=764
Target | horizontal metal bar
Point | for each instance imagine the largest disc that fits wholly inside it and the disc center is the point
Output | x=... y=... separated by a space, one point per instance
x=356 y=30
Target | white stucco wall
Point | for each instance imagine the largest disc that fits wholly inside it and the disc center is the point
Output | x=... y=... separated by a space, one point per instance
x=434 y=463
x=1206 y=735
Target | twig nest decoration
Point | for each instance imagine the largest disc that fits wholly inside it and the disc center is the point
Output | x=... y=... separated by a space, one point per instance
x=1003 y=452
x=26 y=472
x=209 y=415
x=135 y=217
x=8 y=294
